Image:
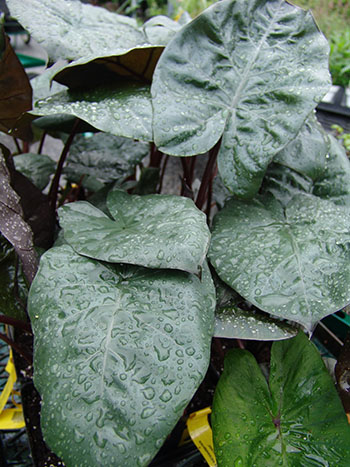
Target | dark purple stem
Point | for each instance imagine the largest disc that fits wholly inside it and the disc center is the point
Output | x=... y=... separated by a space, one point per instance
x=56 y=180
x=16 y=348
x=15 y=323
x=42 y=142
x=208 y=175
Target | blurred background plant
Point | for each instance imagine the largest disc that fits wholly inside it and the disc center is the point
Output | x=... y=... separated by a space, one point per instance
x=333 y=18
x=342 y=136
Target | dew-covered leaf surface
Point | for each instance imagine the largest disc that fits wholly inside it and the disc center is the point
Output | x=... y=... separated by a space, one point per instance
x=296 y=419
x=12 y=224
x=292 y=262
x=36 y=167
x=236 y=318
x=119 y=352
x=119 y=109
x=247 y=71
x=104 y=157
x=234 y=323
x=156 y=231
x=69 y=29
x=312 y=163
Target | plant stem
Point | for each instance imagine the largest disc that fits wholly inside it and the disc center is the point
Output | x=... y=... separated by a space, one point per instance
x=16 y=348
x=56 y=180
x=15 y=323
x=155 y=157
x=208 y=175
x=162 y=173
x=25 y=147
x=188 y=164
x=42 y=142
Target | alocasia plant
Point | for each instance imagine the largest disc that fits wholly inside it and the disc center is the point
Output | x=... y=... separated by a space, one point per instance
x=123 y=305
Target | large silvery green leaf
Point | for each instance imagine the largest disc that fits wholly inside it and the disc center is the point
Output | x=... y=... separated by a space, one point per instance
x=246 y=71
x=119 y=352
x=292 y=262
x=155 y=231
x=119 y=109
x=104 y=158
x=296 y=419
x=69 y=29
x=312 y=163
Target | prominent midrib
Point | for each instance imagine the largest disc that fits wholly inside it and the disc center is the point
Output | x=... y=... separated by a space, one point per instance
x=107 y=345
x=297 y=257
x=251 y=63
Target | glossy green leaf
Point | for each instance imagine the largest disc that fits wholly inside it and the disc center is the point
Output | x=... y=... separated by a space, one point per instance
x=295 y=419
x=312 y=163
x=234 y=323
x=119 y=109
x=70 y=30
x=246 y=71
x=155 y=231
x=291 y=262
x=119 y=352
x=37 y=167
x=104 y=158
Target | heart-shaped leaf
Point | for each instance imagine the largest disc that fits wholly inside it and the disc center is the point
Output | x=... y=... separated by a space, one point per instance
x=37 y=167
x=288 y=421
x=245 y=71
x=119 y=352
x=119 y=109
x=290 y=262
x=70 y=30
x=159 y=231
x=104 y=157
